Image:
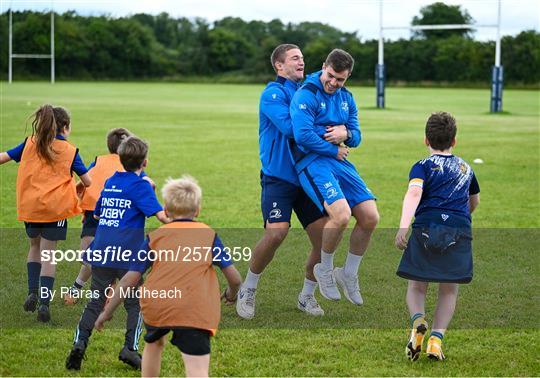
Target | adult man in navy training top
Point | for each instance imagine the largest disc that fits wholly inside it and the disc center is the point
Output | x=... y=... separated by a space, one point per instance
x=327 y=177
x=281 y=191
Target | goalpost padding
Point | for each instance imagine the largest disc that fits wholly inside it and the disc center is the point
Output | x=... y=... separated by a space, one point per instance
x=497 y=71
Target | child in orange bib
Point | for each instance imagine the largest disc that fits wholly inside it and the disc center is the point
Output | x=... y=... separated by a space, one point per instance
x=46 y=196
x=188 y=304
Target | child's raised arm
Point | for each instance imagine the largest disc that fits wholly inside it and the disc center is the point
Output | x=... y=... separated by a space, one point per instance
x=4 y=157
x=410 y=203
x=235 y=280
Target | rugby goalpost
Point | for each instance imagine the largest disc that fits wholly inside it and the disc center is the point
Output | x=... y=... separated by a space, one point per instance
x=496 y=73
x=29 y=56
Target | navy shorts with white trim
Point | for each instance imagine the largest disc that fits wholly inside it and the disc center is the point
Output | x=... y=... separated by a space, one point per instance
x=50 y=230
x=279 y=198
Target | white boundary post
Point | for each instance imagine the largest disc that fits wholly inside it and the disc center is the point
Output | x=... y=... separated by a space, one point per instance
x=29 y=56
x=497 y=72
x=10 y=65
x=52 y=48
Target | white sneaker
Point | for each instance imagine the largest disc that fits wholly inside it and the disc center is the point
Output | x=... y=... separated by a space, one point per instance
x=350 y=286
x=327 y=282
x=245 y=305
x=308 y=304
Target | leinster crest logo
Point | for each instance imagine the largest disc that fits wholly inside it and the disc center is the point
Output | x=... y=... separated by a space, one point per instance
x=275 y=214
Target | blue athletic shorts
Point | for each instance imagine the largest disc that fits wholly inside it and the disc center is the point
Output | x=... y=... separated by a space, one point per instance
x=53 y=231
x=279 y=198
x=328 y=180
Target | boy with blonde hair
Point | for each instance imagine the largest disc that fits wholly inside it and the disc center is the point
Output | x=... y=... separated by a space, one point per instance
x=192 y=316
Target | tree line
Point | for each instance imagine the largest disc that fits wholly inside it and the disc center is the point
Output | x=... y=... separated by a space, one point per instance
x=144 y=46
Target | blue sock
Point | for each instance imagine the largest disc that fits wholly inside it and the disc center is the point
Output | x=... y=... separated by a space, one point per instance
x=416 y=316
x=34 y=269
x=437 y=334
x=46 y=282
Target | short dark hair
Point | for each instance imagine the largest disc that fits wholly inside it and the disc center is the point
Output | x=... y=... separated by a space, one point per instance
x=115 y=137
x=133 y=152
x=441 y=130
x=340 y=60
x=278 y=55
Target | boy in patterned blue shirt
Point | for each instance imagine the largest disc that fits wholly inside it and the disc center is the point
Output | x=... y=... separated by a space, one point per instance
x=442 y=194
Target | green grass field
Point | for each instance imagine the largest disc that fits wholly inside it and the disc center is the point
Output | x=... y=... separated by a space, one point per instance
x=211 y=132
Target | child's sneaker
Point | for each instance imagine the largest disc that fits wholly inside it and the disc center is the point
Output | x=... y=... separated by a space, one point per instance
x=418 y=332
x=434 y=349
x=72 y=296
x=44 y=314
x=76 y=355
x=30 y=304
x=130 y=357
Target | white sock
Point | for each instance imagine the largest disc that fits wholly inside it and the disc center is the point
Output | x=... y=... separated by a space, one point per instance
x=352 y=264
x=327 y=260
x=252 y=279
x=80 y=282
x=309 y=287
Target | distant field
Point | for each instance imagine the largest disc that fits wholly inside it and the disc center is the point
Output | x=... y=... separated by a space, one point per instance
x=211 y=132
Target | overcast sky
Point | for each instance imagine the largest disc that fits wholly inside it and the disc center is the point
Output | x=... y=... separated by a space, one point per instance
x=361 y=16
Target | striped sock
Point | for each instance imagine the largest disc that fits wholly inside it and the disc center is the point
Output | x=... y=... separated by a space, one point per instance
x=437 y=334
x=418 y=315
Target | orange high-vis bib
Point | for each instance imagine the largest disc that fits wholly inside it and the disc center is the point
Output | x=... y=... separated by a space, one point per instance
x=105 y=167
x=187 y=268
x=46 y=192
